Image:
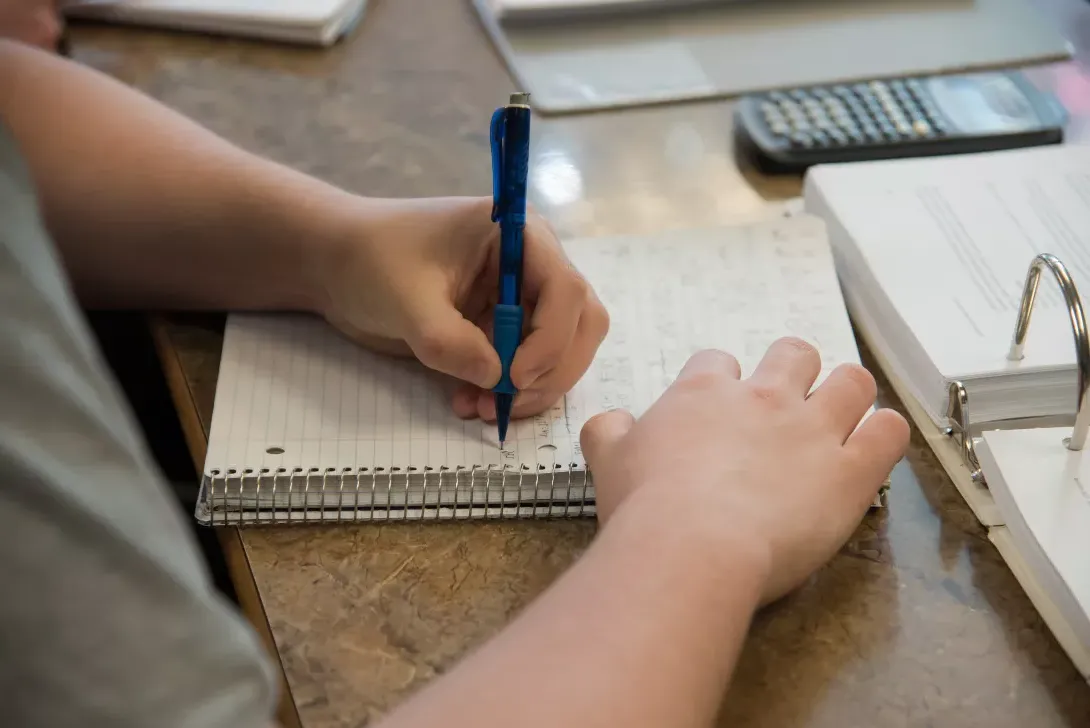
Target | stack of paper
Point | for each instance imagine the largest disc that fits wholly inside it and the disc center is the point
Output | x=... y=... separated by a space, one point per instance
x=1041 y=487
x=310 y=22
x=934 y=253
x=932 y=256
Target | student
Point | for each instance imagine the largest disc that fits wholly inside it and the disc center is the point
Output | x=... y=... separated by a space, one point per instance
x=107 y=616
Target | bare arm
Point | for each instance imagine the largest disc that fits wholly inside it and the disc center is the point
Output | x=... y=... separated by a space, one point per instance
x=151 y=210
x=642 y=632
x=646 y=629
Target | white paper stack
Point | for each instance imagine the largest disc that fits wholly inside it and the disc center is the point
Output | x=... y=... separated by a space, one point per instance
x=932 y=256
x=308 y=22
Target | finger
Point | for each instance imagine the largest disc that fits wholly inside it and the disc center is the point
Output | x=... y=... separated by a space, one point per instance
x=790 y=364
x=874 y=448
x=446 y=342
x=710 y=362
x=844 y=397
x=601 y=433
x=573 y=364
x=552 y=327
x=526 y=404
x=464 y=401
x=559 y=294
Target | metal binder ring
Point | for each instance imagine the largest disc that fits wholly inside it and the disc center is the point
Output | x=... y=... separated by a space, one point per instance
x=1078 y=328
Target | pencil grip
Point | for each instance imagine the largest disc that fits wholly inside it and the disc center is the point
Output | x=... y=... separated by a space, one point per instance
x=506 y=334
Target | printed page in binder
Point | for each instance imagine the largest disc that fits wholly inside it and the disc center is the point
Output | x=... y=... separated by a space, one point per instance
x=293 y=393
x=954 y=238
x=1043 y=489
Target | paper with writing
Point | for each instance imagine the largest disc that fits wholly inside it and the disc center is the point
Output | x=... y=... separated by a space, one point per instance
x=293 y=393
x=954 y=240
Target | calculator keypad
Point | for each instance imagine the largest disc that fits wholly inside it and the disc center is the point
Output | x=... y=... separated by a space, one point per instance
x=879 y=112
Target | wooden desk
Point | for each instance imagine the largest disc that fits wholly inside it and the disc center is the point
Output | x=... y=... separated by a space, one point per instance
x=916 y=622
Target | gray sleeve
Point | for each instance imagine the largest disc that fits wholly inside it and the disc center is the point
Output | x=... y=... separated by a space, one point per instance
x=107 y=614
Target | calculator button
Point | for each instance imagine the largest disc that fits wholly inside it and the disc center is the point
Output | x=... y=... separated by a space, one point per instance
x=777 y=97
x=801 y=140
x=820 y=138
x=838 y=137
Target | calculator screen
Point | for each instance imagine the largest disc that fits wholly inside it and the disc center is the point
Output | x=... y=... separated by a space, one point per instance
x=983 y=104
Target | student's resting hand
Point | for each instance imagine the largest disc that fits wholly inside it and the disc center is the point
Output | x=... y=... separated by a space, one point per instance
x=422 y=280
x=752 y=465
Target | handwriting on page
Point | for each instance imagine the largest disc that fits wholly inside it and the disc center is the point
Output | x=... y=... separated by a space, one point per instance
x=737 y=290
x=295 y=394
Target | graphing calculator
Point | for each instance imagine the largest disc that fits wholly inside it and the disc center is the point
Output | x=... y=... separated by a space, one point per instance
x=793 y=129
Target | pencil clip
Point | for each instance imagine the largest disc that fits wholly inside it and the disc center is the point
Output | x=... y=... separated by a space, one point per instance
x=495 y=134
x=1078 y=328
x=957 y=416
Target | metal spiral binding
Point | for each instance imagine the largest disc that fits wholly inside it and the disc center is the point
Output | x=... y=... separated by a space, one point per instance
x=957 y=411
x=312 y=496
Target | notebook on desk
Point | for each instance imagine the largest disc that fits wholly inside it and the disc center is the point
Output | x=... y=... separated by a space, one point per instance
x=309 y=427
x=308 y=22
x=940 y=260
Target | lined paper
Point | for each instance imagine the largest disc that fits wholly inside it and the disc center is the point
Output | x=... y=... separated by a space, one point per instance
x=295 y=394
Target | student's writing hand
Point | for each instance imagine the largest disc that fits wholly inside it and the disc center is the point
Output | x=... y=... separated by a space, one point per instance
x=421 y=278
x=753 y=465
x=34 y=22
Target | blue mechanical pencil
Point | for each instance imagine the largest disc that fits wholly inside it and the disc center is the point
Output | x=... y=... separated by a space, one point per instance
x=510 y=135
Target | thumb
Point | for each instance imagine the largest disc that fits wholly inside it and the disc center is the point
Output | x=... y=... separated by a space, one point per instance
x=601 y=433
x=448 y=342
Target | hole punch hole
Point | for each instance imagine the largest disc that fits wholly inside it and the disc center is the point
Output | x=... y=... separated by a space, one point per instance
x=274 y=450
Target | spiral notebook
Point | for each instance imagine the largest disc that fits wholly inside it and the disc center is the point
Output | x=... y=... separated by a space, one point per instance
x=309 y=427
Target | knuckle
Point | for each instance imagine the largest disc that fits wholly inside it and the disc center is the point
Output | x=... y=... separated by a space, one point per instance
x=860 y=378
x=580 y=288
x=597 y=317
x=431 y=344
x=767 y=394
x=700 y=382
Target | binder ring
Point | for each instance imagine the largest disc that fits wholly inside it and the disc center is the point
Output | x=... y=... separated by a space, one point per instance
x=1078 y=328
x=957 y=415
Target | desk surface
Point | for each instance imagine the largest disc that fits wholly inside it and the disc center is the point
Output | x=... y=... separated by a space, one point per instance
x=916 y=622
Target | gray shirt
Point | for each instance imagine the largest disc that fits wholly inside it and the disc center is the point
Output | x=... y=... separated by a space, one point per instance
x=107 y=614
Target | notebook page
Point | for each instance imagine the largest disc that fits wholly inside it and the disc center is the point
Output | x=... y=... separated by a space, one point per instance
x=949 y=241
x=293 y=393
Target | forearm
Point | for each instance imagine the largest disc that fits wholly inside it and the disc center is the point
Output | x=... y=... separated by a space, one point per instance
x=151 y=210
x=643 y=631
